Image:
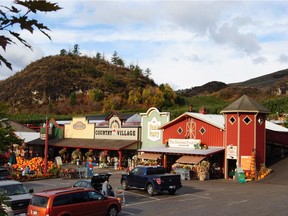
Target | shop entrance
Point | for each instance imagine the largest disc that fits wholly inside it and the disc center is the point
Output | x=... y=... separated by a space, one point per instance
x=231 y=168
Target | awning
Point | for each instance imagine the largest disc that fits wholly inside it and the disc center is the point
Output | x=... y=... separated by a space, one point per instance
x=149 y=156
x=190 y=159
x=185 y=151
x=88 y=143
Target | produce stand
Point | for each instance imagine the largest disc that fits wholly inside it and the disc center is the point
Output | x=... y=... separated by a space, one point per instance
x=185 y=173
x=72 y=173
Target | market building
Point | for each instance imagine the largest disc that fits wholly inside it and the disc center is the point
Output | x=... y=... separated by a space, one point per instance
x=114 y=138
x=236 y=138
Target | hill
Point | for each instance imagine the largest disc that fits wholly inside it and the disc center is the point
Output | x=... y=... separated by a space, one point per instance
x=73 y=84
x=265 y=82
x=65 y=83
x=261 y=88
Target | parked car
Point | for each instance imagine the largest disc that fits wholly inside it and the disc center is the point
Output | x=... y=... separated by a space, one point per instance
x=75 y=201
x=5 y=174
x=18 y=197
x=95 y=182
x=154 y=179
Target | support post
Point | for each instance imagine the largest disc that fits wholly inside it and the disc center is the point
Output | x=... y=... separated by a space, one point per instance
x=46 y=146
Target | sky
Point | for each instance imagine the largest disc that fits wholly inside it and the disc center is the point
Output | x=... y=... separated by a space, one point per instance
x=184 y=43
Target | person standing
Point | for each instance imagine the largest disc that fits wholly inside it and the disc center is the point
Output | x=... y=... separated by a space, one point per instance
x=105 y=188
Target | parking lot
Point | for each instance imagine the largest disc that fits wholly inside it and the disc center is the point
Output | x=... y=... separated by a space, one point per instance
x=211 y=197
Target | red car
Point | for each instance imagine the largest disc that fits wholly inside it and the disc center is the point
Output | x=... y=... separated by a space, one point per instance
x=72 y=201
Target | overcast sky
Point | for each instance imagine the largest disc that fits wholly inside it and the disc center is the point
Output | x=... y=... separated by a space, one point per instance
x=183 y=43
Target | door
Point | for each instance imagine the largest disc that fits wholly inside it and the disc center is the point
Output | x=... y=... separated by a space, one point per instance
x=97 y=204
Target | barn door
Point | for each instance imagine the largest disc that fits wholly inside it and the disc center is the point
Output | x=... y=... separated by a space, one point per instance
x=190 y=130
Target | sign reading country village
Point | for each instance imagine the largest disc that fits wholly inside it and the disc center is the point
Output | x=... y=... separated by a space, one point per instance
x=112 y=133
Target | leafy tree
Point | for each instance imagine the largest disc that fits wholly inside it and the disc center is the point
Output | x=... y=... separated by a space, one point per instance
x=120 y=62
x=113 y=102
x=152 y=96
x=7 y=135
x=96 y=95
x=168 y=94
x=134 y=96
x=147 y=72
x=72 y=99
x=114 y=58
x=63 y=52
x=98 y=56
x=76 y=50
x=16 y=15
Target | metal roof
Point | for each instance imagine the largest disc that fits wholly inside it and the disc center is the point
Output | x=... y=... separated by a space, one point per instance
x=274 y=127
x=245 y=104
x=213 y=119
x=174 y=150
x=28 y=136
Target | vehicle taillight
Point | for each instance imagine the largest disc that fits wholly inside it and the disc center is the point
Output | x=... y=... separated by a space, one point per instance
x=47 y=212
x=158 y=180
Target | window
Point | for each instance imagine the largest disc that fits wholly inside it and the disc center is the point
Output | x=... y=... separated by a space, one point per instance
x=60 y=200
x=16 y=189
x=179 y=130
x=92 y=195
x=79 y=197
x=247 y=120
x=202 y=130
x=39 y=201
x=232 y=120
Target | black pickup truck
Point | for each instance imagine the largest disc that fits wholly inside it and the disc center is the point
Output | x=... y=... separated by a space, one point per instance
x=154 y=179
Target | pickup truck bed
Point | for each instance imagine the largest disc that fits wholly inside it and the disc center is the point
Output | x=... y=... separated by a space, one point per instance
x=151 y=178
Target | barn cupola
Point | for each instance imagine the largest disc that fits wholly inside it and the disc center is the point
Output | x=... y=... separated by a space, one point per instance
x=244 y=138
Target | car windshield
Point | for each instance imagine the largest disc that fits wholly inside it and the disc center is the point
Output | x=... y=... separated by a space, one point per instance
x=15 y=189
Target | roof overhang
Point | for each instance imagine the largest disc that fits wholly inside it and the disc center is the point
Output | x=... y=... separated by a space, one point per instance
x=186 y=151
x=105 y=144
x=190 y=159
x=149 y=156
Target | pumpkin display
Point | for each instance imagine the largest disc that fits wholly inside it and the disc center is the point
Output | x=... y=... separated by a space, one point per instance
x=36 y=164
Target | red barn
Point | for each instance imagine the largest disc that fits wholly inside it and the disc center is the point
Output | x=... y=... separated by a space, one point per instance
x=234 y=139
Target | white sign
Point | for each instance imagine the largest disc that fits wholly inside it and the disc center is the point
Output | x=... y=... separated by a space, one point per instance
x=58 y=160
x=231 y=152
x=184 y=143
x=153 y=130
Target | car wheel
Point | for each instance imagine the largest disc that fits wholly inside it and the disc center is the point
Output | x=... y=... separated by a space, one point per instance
x=150 y=189
x=172 y=191
x=112 y=211
x=124 y=184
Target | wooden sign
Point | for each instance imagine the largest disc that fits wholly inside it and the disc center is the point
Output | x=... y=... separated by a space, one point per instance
x=246 y=162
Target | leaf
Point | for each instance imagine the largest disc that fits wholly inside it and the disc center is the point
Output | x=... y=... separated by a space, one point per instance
x=24 y=42
x=8 y=64
x=42 y=6
x=4 y=41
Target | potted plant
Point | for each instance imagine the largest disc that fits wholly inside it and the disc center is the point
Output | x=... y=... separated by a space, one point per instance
x=76 y=154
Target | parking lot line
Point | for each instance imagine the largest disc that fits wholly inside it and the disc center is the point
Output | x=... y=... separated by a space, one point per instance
x=153 y=199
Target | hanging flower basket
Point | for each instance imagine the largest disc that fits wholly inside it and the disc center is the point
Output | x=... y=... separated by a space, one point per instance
x=62 y=151
x=76 y=154
x=89 y=154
